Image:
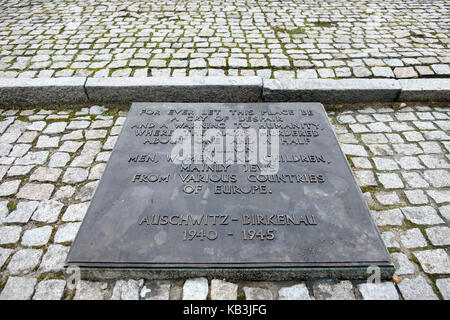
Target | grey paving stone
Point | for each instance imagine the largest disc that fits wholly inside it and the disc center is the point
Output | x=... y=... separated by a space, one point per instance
x=407 y=149
x=52 y=289
x=44 y=174
x=365 y=178
x=54 y=259
x=405 y=72
x=37 y=236
x=24 y=261
x=403 y=266
x=416 y=197
x=354 y=149
x=295 y=292
x=415 y=180
x=18 y=171
x=97 y=124
x=127 y=290
x=48 y=211
x=390 y=239
x=410 y=163
x=19 y=150
x=439 y=196
x=64 y=193
x=381 y=291
x=385 y=163
x=95 y=134
x=10 y=234
x=70 y=146
x=438 y=178
x=439 y=236
x=36 y=191
x=78 y=124
x=76 y=212
x=387 y=198
x=416 y=289
x=87 y=191
x=66 y=232
x=413 y=238
x=110 y=142
x=75 y=175
x=392 y=217
x=252 y=293
x=360 y=162
x=37 y=126
x=55 y=127
x=342 y=290
x=18 y=288
x=379 y=127
x=47 y=142
x=9 y=187
x=390 y=180
x=59 y=159
x=425 y=215
x=156 y=290
x=223 y=290
x=434 y=261
x=23 y=212
x=38 y=157
x=434 y=162
x=96 y=110
x=195 y=289
x=89 y=290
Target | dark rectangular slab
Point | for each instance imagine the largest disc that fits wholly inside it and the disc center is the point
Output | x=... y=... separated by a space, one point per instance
x=308 y=219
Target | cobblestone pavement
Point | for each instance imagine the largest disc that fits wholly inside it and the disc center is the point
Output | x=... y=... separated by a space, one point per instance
x=269 y=38
x=51 y=161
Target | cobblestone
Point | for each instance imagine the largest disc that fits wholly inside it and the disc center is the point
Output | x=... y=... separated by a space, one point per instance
x=381 y=291
x=334 y=291
x=195 y=289
x=157 y=38
x=52 y=289
x=252 y=293
x=416 y=289
x=434 y=261
x=18 y=288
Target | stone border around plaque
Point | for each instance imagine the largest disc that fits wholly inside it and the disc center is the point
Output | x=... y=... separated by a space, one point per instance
x=236 y=274
x=78 y=90
x=156 y=219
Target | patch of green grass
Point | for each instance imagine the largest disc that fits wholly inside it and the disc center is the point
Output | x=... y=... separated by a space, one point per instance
x=323 y=24
x=298 y=30
x=12 y=205
x=111 y=112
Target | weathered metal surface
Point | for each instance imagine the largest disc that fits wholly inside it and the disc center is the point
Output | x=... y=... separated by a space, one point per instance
x=316 y=218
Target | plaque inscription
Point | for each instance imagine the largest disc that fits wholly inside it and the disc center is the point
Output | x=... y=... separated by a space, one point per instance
x=153 y=211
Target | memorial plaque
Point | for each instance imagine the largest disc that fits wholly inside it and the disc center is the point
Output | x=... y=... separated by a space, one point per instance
x=213 y=206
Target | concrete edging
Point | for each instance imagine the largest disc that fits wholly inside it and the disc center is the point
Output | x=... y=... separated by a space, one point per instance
x=20 y=91
x=76 y=90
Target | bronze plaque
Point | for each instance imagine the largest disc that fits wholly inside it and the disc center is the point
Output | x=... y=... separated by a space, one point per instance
x=150 y=211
